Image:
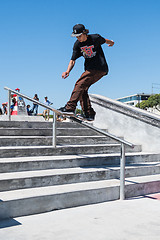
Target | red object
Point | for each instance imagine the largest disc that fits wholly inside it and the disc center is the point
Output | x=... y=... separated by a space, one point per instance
x=15 y=108
x=17 y=89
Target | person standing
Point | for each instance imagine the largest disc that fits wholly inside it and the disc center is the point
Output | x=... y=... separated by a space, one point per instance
x=35 y=106
x=88 y=46
x=4 y=106
x=46 y=111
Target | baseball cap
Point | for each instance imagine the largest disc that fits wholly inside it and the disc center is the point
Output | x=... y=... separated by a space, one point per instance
x=78 y=29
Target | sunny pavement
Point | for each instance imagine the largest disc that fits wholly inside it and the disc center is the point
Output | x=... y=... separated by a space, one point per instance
x=132 y=219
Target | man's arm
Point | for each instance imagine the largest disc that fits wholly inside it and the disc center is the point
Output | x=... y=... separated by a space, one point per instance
x=109 y=42
x=70 y=66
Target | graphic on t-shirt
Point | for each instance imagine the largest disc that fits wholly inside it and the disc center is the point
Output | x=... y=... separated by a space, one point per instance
x=88 y=51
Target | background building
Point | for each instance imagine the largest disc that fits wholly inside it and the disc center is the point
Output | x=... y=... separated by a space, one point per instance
x=134 y=99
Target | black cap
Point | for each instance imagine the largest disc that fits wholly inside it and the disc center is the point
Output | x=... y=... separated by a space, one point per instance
x=78 y=29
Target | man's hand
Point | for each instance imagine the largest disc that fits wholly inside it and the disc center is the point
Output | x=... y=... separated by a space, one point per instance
x=70 y=66
x=110 y=42
x=65 y=74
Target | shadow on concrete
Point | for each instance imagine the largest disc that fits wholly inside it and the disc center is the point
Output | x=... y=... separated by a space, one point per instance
x=154 y=196
x=9 y=223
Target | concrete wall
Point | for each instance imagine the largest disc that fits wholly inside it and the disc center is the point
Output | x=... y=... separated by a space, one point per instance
x=135 y=125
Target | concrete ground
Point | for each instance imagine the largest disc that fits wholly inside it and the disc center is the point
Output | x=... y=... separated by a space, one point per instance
x=132 y=219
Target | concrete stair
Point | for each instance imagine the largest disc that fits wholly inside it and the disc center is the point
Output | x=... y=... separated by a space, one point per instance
x=47 y=140
x=38 y=200
x=51 y=177
x=82 y=169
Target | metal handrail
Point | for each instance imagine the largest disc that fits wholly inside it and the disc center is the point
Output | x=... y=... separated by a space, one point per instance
x=29 y=98
x=34 y=101
x=123 y=142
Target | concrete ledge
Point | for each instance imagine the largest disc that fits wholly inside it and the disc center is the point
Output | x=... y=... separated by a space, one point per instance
x=136 y=125
x=125 y=109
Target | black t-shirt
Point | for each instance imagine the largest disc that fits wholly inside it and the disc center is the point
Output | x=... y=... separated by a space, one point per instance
x=92 y=51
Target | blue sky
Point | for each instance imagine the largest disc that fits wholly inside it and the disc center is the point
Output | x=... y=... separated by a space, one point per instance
x=36 y=46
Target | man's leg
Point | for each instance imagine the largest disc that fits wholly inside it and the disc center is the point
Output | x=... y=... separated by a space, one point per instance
x=81 y=86
x=84 y=98
x=48 y=114
x=44 y=113
x=86 y=105
x=33 y=108
x=36 y=109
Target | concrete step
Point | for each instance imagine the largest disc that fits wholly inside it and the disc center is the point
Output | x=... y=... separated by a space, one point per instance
x=18 y=203
x=74 y=140
x=71 y=161
x=47 y=140
x=42 y=178
x=18 y=151
x=45 y=124
x=25 y=132
x=25 y=140
x=47 y=132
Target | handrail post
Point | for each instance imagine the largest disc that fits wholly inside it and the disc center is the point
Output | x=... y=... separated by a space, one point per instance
x=9 y=105
x=122 y=172
x=54 y=130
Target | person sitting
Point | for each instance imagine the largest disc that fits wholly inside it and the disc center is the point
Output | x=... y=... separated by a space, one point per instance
x=29 y=112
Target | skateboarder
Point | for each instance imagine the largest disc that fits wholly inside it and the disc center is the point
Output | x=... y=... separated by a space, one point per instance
x=88 y=46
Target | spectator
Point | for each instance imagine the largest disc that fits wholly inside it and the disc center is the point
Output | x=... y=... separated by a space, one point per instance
x=13 y=104
x=4 y=106
x=46 y=111
x=35 y=106
x=29 y=112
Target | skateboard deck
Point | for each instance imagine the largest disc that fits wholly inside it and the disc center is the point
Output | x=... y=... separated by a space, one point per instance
x=71 y=116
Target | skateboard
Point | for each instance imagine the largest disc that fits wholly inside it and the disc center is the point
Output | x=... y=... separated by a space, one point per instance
x=72 y=116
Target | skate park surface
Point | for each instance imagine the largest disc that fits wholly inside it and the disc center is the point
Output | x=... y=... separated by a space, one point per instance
x=131 y=219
